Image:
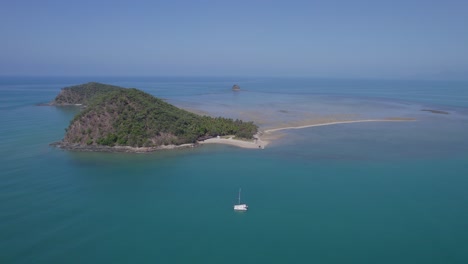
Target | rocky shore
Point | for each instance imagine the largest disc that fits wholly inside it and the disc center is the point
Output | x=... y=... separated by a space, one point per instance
x=115 y=149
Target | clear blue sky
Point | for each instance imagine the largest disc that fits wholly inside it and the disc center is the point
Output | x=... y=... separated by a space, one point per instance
x=344 y=39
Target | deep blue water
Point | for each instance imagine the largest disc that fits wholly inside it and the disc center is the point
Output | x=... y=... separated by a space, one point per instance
x=352 y=193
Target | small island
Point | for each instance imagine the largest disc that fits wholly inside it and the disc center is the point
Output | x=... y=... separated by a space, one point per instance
x=119 y=119
x=236 y=87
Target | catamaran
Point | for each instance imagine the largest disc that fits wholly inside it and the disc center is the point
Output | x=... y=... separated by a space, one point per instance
x=239 y=206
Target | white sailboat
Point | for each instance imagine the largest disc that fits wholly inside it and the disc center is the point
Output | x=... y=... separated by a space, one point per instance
x=239 y=206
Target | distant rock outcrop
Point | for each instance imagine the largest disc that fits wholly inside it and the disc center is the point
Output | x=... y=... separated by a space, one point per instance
x=435 y=111
x=236 y=87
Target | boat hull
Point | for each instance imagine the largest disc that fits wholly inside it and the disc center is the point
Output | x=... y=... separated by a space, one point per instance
x=240 y=207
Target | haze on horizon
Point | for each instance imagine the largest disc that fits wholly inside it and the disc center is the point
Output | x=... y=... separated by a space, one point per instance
x=333 y=39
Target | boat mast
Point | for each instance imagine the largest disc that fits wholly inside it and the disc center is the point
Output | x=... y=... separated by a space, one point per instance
x=239 y=195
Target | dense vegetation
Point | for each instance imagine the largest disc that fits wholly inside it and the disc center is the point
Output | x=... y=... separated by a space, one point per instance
x=83 y=93
x=129 y=117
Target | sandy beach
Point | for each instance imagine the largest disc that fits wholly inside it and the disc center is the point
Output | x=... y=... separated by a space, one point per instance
x=259 y=143
x=253 y=144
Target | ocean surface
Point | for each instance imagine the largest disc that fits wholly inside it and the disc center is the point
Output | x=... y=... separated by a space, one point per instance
x=387 y=192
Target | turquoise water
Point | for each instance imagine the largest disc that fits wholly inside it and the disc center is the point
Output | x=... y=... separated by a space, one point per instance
x=352 y=193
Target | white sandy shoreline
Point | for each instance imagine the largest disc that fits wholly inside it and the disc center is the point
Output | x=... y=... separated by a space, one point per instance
x=253 y=144
x=258 y=143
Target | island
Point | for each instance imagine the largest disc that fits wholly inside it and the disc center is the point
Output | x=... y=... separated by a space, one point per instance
x=120 y=119
x=117 y=119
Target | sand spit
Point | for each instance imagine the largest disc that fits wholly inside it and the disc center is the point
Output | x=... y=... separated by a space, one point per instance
x=341 y=122
x=263 y=138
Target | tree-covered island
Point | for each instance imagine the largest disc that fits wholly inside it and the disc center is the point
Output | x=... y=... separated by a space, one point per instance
x=120 y=117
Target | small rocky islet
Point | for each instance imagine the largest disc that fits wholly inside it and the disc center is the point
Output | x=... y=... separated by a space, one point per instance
x=236 y=88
